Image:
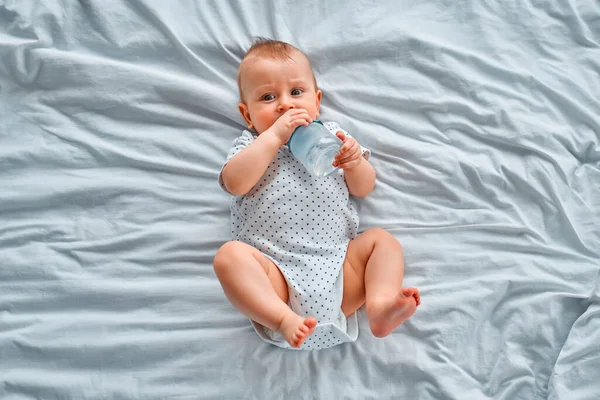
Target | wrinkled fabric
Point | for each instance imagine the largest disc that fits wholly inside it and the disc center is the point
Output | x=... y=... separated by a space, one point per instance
x=483 y=120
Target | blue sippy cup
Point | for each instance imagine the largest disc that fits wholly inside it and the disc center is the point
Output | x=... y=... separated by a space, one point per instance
x=315 y=147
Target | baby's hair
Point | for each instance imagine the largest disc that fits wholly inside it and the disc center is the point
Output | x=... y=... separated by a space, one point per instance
x=269 y=48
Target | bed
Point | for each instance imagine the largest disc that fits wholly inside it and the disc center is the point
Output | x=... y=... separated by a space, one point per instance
x=483 y=119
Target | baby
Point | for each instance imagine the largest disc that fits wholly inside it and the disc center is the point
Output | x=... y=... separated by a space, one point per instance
x=297 y=266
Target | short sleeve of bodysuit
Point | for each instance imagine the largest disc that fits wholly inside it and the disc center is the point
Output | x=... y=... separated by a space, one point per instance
x=239 y=144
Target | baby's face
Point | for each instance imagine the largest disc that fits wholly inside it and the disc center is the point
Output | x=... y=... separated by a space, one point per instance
x=271 y=87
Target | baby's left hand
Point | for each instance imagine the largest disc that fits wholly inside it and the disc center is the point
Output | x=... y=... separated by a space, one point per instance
x=350 y=155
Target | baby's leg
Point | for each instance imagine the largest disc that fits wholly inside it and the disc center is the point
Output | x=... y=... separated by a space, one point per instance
x=373 y=272
x=256 y=287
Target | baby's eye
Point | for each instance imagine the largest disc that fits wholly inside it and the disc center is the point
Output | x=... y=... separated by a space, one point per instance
x=268 y=97
x=296 y=92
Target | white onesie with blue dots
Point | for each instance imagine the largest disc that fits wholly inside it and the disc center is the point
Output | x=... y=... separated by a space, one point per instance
x=303 y=223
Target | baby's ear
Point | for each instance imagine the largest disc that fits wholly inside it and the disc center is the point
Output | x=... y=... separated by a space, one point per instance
x=319 y=96
x=246 y=114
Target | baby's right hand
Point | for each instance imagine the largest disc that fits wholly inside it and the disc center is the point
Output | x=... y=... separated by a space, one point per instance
x=288 y=122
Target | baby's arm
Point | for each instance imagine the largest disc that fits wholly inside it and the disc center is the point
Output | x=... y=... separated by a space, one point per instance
x=243 y=171
x=360 y=179
x=358 y=172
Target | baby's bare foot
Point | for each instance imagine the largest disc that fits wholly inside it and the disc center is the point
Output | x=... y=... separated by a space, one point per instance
x=387 y=314
x=414 y=292
x=296 y=329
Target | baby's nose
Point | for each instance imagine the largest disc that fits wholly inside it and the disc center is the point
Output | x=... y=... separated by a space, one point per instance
x=285 y=105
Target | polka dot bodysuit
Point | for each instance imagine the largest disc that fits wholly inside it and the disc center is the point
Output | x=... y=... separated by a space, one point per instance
x=303 y=223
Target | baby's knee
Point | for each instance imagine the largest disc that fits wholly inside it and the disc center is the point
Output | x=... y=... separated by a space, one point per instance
x=380 y=234
x=225 y=255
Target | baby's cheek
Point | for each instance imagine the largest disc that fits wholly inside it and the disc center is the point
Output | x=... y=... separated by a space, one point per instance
x=267 y=119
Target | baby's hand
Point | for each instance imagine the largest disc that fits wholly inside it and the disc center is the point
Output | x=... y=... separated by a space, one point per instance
x=288 y=122
x=350 y=155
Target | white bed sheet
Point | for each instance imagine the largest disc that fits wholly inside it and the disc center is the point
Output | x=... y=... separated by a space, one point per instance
x=116 y=116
